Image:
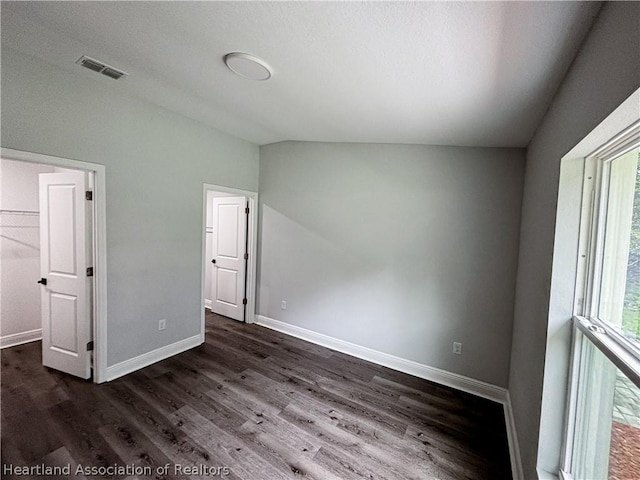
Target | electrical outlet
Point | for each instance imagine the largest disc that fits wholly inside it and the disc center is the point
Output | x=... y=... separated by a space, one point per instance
x=283 y=305
x=457 y=348
x=162 y=324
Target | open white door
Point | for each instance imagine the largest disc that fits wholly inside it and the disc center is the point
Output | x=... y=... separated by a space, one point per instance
x=229 y=260
x=64 y=257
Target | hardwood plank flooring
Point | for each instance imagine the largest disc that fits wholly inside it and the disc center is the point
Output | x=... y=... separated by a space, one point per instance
x=249 y=404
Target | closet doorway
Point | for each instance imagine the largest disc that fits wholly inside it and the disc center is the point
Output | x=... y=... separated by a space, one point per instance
x=53 y=260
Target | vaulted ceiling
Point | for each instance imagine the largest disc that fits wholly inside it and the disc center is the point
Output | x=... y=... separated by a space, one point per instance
x=446 y=73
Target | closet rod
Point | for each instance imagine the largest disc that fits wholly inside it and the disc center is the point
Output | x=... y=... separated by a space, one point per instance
x=18 y=212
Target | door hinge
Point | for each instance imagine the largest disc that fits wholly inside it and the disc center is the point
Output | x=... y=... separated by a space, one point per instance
x=244 y=301
x=246 y=210
x=90 y=272
x=88 y=195
x=246 y=256
x=90 y=346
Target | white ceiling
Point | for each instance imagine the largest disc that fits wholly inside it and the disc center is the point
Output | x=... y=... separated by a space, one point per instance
x=446 y=73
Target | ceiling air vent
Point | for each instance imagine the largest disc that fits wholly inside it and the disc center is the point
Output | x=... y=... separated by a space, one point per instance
x=103 y=68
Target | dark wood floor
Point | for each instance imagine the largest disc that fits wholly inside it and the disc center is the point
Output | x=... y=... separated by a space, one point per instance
x=258 y=404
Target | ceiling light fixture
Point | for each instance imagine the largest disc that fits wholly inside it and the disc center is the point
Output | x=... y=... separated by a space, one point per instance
x=247 y=66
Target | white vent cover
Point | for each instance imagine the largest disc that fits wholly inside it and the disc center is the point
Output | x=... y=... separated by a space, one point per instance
x=100 y=67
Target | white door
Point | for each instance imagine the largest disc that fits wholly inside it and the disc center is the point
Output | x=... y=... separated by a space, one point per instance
x=65 y=254
x=228 y=252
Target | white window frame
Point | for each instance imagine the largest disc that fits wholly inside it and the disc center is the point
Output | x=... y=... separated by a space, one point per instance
x=597 y=170
x=586 y=325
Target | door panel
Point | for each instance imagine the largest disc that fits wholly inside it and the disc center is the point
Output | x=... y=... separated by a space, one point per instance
x=63 y=331
x=227 y=281
x=229 y=246
x=64 y=256
x=62 y=230
x=228 y=234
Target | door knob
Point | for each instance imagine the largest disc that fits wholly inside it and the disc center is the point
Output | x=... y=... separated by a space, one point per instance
x=213 y=261
x=43 y=281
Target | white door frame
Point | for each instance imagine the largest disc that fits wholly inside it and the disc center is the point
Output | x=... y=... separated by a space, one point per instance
x=99 y=247
x=252 y=237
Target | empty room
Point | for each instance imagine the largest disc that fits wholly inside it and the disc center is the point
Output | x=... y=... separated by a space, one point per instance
x=324 y=240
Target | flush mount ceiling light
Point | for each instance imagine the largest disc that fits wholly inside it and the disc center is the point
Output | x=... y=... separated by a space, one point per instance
x=247 y=66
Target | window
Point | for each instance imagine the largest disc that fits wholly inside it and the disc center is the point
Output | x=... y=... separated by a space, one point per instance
x=603 y=433
x=618 y=300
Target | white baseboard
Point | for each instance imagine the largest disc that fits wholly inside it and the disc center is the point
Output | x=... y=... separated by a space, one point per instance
x=459 y=382
x=146 y=359
x=20 y=338
x=512 y=437
x=208 y=304
x=442 y=377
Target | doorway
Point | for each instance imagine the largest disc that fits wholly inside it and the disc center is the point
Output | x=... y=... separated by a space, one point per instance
x=51 y=207
x=229 y=252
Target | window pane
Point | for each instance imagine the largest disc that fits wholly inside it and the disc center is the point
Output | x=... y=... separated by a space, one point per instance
x=619 y=303
x=607 y=435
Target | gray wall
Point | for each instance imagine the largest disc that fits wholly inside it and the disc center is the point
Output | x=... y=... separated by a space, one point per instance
x=19 y=247
x=156 y=163
x=402 y=249
x=604 y=74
